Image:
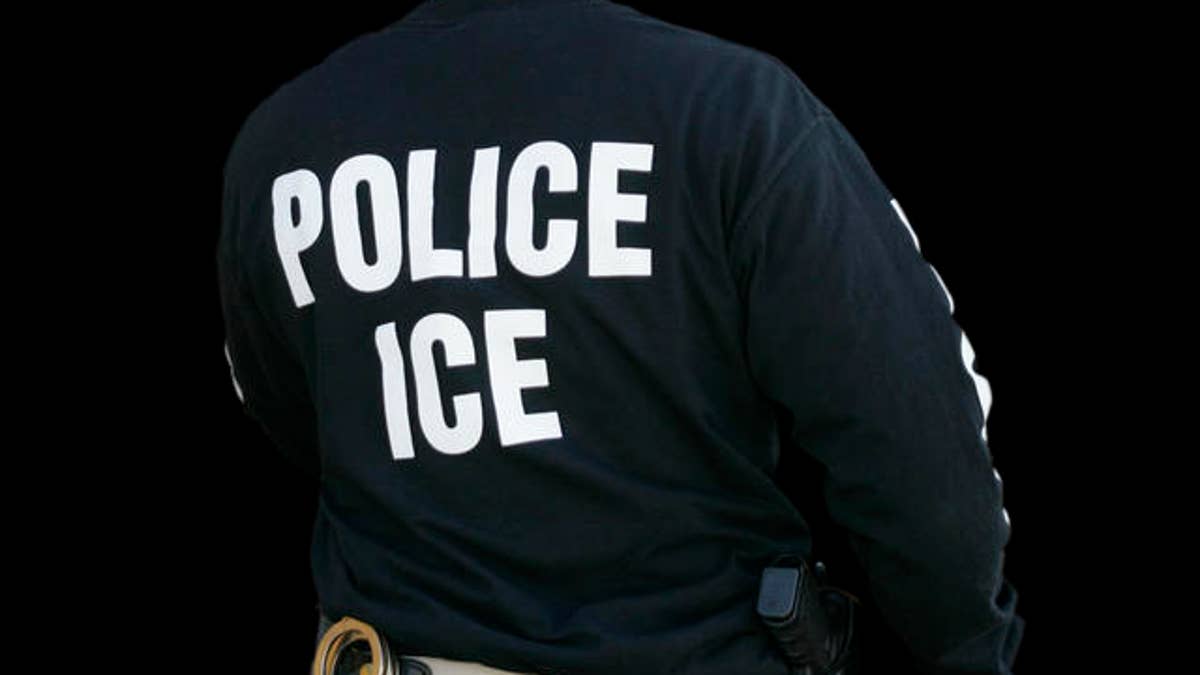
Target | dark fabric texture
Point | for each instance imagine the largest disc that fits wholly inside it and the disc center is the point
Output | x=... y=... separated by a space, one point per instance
x=557 y=452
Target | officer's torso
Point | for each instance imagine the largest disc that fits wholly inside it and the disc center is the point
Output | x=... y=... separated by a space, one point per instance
x=496 y=238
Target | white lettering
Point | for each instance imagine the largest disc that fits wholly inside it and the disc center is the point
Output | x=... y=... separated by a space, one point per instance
x=606 y=206
x=509 y=375
x=424 y=260
x=395 y=391
x=377 y=172
x=298 y=219
x=560 y=239
x=481 y=242
x=983 y=389
x=468 y=408
x=292 y=237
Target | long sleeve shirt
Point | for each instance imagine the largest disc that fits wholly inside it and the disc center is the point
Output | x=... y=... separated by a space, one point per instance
x=537 y=289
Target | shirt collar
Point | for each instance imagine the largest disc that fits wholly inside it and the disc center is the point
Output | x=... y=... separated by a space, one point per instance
x=452 y=10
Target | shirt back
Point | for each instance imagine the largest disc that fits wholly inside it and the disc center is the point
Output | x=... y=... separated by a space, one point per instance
x=535 y=287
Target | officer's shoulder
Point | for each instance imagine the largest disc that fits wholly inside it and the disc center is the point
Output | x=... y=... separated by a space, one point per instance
x=699 y=40
x=284 y=105
x=750 y=72
x=255 y=123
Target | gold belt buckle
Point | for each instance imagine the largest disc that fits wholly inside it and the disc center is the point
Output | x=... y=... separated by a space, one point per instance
x=344 y=633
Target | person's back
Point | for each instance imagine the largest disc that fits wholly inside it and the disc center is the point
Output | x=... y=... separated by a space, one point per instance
x=535 y=286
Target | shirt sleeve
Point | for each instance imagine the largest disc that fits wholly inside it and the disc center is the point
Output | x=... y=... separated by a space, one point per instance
x=268 y=379
x=850 y=331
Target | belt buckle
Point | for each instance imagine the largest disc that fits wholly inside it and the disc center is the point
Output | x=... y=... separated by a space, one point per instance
x=349 y=633
x=345 y=633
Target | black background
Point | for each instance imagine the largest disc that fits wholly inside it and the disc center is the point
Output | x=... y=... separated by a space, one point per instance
x=956 y=113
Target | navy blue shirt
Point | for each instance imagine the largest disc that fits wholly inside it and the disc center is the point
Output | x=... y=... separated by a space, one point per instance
x=539 y=290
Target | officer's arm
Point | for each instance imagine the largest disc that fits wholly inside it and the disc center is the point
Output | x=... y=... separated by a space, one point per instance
x=267 y=377
x=850 y=331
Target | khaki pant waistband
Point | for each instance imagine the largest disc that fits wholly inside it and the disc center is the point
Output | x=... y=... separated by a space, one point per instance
x=384 y=661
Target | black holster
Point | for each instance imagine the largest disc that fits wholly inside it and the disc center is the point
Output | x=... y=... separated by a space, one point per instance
x=812 y=623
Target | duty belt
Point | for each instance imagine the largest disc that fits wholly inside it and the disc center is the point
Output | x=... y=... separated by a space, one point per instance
x=351 y=646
